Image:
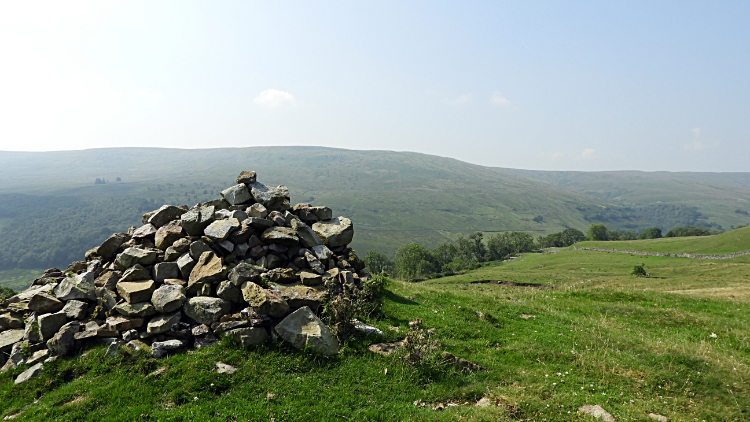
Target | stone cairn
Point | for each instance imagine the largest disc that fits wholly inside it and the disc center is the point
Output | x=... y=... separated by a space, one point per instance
x=248 y=266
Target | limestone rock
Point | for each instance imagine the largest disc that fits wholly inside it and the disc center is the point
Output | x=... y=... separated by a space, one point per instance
x=322 y=252
x=247 y=337
x=207 y=270
x=310 y=279
x=303 y=329
x=159 y=349
x=165 y=214
x=246 y=177
x=197 y=248
x=146 y=230
x=229 y=292
x=335 y=232
x=167 y=235
x=274 y=199
x=221 y=229
x=121 y=323
x=108 y=280
x=597 y=412
x=163 y=323
x=237 y=194
x=168 y=298
x=206 y=310
x=658 y=418
x=281 y=235
x=77 y=287
x=258 y=223
x=10 y=337
x=298 y=295
x=257 y=211
x=110 y=246
x=50 y=323
x=195 y=220
x=75 y=309
x=186 y=263
x=306 y=235
x=165 y=270
x=105 y=298
x=136 y=273
x=30 y=373
x=223 y=368
x=43 y=303
x=138 y=309
x=63 y=342
x=132 y=256
x=311 y=214
x=137 y=291
x=314 y=264
x=264 y=301
x=11 y=320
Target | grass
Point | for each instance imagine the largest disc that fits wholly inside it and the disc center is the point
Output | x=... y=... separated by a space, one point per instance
x=19 y=279
x=594 y=335
x=724 y=243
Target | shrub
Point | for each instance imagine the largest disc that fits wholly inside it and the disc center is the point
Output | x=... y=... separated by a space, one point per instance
x=651 y=233
x=597 y=232
x=414 y=262
x=639 y=271
x=378 y=263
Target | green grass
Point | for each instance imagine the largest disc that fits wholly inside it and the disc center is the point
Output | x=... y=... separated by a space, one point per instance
x=724 y=243
x=19 y=279
x=595 y=335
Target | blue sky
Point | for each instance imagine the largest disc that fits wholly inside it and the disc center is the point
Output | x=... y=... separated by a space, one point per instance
x=525 y=84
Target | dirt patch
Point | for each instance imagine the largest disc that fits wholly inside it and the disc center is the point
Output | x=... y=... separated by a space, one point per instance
x=509 y=283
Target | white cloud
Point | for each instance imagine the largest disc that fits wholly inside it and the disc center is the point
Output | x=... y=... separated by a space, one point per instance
x=274 y=98
x=145 y=94
x=498 y=99
x=556 y=156
x=695 y=144
x=461 y=99
x=588 y=153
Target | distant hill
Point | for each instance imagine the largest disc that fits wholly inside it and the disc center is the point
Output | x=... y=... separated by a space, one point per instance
x=51 y=210
x=724 y=243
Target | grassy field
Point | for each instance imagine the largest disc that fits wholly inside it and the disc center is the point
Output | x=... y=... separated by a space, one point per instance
x=18 y=279
x=724 y=243
x=593 y=335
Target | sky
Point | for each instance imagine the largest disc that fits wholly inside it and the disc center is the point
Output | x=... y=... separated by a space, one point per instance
x=547 y=85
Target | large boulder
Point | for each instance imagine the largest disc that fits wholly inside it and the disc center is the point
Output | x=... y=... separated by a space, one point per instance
x=284 y=236
x=237 y=194
x=221 y=229
x=274 y=199
x=132 y=256
x=248 y=336
x=303 y=329
x=310 y=279
x=137 y=291
x=307 y=237
x=195 y=220
x=167 y=235
x=165 y=214
x=206 y=310
x=77 y=287
x=110 y=246
x=63 y=342
x=43 y=303
x=168 y=298
x=335 y=232
x=264 y=301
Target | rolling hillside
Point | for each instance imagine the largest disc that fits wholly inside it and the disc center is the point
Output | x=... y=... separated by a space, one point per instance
x=724 y=243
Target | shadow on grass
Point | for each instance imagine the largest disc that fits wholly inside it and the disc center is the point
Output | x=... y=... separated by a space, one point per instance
x=399 y=299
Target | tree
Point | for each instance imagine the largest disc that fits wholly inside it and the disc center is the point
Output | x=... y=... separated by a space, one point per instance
x=613 y=235
x=414 y=262
x=628 y=236
x=688 y=231
x=504 y=244
x=539 y=219
x=571 y=236
x=651 y=233
x=378 y=263
x=118 y=179
x=597 y=232
x=445 y=253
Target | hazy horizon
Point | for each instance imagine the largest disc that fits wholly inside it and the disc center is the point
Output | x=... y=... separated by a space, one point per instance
x=580 y=86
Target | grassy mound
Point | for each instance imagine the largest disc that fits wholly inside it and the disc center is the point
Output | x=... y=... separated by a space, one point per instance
x=592 y=335
x=724 y=243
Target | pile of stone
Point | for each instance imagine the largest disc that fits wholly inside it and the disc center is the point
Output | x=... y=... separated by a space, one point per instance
x=249 y=266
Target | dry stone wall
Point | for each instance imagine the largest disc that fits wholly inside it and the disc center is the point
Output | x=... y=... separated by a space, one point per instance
x=677 y=255
x=244 y=266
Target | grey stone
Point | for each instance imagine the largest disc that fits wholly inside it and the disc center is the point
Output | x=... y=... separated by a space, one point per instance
x=135 y=273
x=138 y=309
x=136 y=291
x=163 y=323
x=31 y=291
x=206 y=310
x=50 y=323
x=314 y=264
x=229 y=292
x=43 y=302
x=657 y=417
x=257 y=211
x=78 y=287
x=335 y=232
x=247 y=337
x=311 y=214
x=168 y=298
x=310 y=279
x=303 y=329
x=197 y=248
x=208 y=269
x=197 y=219
x=110 y=246
x=246 y=177
x=63 y=342
x=105 y=299
x=171 y=254
x=306 y=235
x=112 y=349
x=168 y=234
x=222 y=327
x=226 y=246
x=159 y=349
x=282 y=275
x=597 y=412
x=132 y=256
x=237 y=194
x=223 y=368
x=322 y=252
x=30 y=373
x=146 y=230
x=366 y=329
x=264 y=301
x=165 y=270
x=282 y=235
x=241 y=250
x=165 y=214
x=298 y=295
x=277 y=218
x=258 y=252
x=258 y=223
x=221 y=229
x=75 y=309
x=186 y=264
x=108 y=280
x=11 y=320
x=274 y=199
x=9 y=337
x=120 y=323
x=136 y=344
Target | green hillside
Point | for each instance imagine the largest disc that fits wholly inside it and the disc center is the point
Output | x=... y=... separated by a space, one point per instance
x=724 y=243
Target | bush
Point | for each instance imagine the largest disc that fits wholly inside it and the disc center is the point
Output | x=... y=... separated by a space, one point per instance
x=414 y=262
x=509 y=243
x=652 y=233
x=597 y=232
x=378 y=263
x=6 y=292
x=639 y=271
x=688 y=231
